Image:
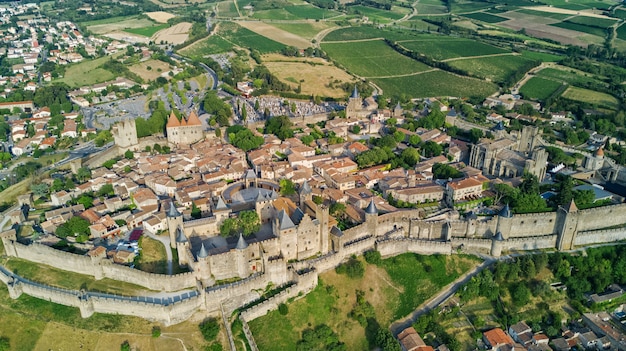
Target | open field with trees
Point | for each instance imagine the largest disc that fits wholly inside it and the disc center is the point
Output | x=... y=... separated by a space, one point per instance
x=298 y=12
x=150 y=70
x=368 y=32
x=568 y=75
x=593 y=97
x=357 y=307
x=319 y=79
x=372 y=59
x=88 y=72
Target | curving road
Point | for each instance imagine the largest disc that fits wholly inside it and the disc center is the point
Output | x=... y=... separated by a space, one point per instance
x=443 y=295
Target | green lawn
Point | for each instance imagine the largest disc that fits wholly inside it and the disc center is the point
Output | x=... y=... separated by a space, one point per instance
x=496 y=68
x=372 y=59
x=88 y=72
x=213 y=44
x=67 y=280
x=147 y=31
x=539 y=88
x=394 y=288
x=441 y=48
x=590 y=96
x=247 y=38
x=437 y=83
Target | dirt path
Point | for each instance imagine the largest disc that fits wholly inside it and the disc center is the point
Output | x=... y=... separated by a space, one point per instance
x=528 y=75
x=320 y=36
x=388 y=282
x=480 y=56
x=173 y=338
x=237 y=7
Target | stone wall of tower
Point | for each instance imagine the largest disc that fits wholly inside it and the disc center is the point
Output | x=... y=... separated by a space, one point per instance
x=125 y=133
x=184 y=135
x=322 y=214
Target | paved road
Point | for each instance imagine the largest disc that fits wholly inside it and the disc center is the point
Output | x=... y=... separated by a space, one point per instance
x=438 y=299
x=165 y=239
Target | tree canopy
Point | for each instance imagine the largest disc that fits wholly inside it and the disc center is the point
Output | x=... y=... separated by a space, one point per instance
x=243 y=138
x=320 y=338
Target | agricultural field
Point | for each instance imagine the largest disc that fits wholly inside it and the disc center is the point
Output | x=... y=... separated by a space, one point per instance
x=176 y=34
x=568 y=75
x=279 y=35
x=147 y=31
x=541 y=56
x=621 y=32
x=441 y=47
x=417 y=24
x=581 y=28
x=592 y=97
x=460 y=7
x=213 y=44
x=226 y=9
x=495 y=68
x=296 y=12
x=246 y=38
x=87 y=72
x=160 y=16
x=316 y=76
x=122 y=24
x=306 y=30
x=372 y=59
x=436 y=83
x=552 y=15
x=379 y=15
x=485 y=17
x=539 y=88
x=370 y=32
x=394 y=288
x=435 y=7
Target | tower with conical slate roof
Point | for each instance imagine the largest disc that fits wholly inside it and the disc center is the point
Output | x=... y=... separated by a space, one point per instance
x=371 y=218
x=305 y=193
x=504 y=222
x=174 y=223
x=496 y=244
x=355 y=104
x=182 y=244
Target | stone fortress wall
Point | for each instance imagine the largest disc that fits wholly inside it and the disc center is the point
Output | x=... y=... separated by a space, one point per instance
x=391 y=234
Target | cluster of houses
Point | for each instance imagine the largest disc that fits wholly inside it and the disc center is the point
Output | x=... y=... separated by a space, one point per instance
x=33 y=133
x=598 y=331
x=25 y=41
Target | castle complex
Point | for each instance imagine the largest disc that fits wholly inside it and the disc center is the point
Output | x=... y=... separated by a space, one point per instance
x=184 y=131
x=294 y=245
x=511 y=156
